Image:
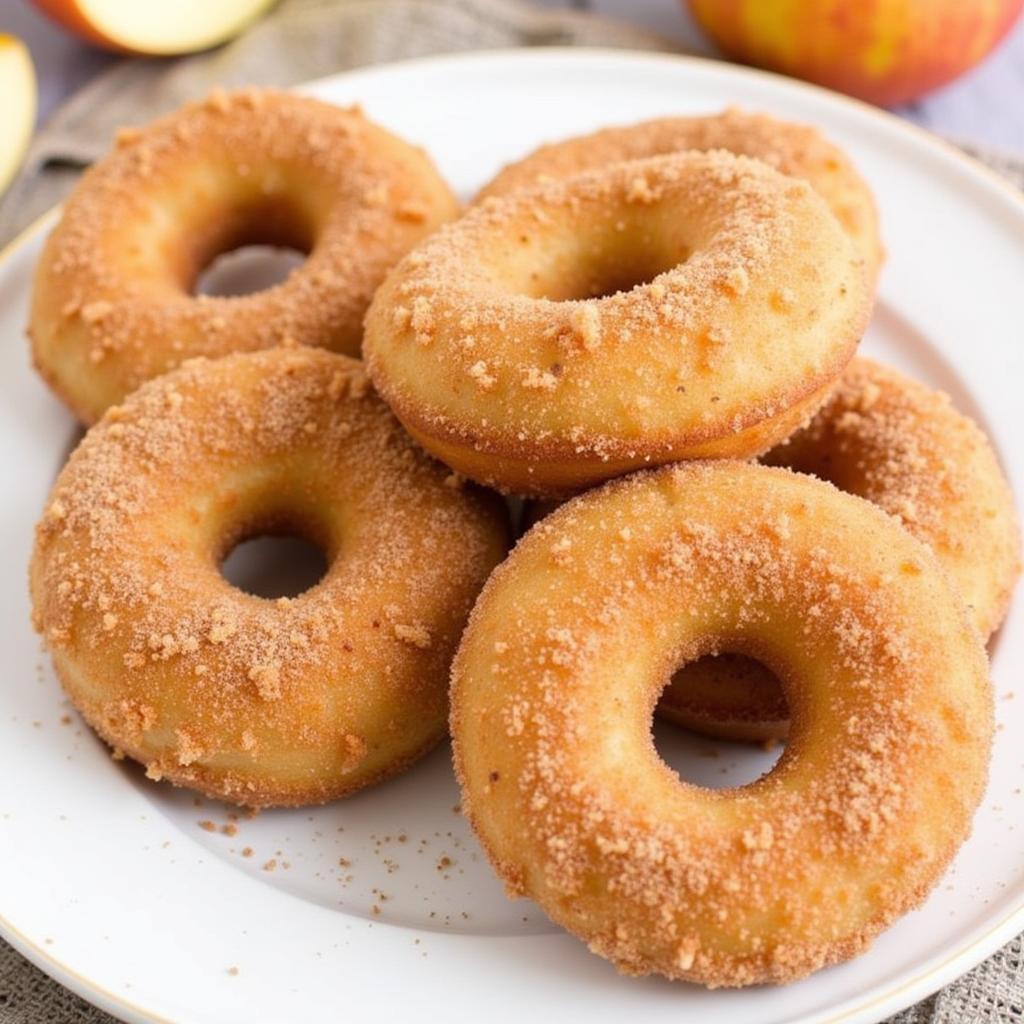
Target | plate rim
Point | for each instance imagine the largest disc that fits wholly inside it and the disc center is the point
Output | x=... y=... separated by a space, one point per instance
x=900 y=994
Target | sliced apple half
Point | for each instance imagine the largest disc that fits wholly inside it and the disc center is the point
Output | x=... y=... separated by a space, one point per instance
x=18 y=92
x=154 y=28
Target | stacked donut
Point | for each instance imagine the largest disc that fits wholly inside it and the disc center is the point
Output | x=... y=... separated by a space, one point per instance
x=635 y=317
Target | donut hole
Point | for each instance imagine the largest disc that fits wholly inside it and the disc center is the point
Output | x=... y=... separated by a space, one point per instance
x=275 y=565
x=600 y=281
x=248 y=248
x=820 y=460
x=251 y=268
x=596 y=265
x=268 y=535
x=715 y=762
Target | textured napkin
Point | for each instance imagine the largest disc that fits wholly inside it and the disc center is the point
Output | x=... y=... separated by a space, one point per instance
x=300 y=40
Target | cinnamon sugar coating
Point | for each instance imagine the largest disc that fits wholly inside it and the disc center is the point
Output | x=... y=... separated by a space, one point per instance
x=794 y=149
x=904 y=447
x=569 y=646
x=516 y=344
x=112 y=301
x=728 y=696
x=260 y=702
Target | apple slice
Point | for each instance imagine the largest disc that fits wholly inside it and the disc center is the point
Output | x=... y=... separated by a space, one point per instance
x=162 y=28
x=18 y=89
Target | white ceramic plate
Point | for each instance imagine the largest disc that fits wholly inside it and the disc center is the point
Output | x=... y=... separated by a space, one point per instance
x=111 y=884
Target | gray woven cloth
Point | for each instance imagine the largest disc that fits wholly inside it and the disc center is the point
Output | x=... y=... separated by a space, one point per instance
x=1009 y=165
x=300 y=40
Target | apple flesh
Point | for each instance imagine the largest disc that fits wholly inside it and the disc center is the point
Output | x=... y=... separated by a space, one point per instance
x=157 y=28
x=883 y=51
x=18 y=89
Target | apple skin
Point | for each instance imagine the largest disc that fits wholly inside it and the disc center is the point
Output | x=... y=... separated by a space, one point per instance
x=66 y=14
x=884 y=51
x=70 y=16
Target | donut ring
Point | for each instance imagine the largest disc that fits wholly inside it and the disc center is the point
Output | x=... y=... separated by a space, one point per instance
x=565 y=655
x=484 y=344
x=256 y=701
x=902 y=446
x=794 y=149
x=112 y=302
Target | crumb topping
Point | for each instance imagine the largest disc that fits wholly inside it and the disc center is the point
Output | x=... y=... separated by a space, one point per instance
x=592 y=335
x=905 y=448
x=181 y=669
x=563 y=661
x=251 y=165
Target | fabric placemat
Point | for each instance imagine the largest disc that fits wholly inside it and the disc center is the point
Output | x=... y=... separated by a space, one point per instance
x=300 y=40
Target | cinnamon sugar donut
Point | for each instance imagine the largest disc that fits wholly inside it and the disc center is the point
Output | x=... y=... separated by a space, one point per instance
x=260 y=702
x=904 y=447
x=516 y=345
x=794 y=149
x=112 y=303
x=566 y=653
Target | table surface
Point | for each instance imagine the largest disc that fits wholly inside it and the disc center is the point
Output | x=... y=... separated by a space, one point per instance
x=985 y=106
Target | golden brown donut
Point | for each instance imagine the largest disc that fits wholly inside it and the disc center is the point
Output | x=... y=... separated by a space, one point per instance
x=113 y=301
x=794 y=149
x=904 y=447
x=257 y=701
x=687 y=306
x=567 y=651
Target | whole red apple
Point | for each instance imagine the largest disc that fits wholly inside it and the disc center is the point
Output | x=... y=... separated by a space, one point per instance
x=884 y=51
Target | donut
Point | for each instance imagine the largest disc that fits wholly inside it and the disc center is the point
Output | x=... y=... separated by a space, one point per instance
x=260 y=702
x=902 y=446
x=113 y=303
x=568 y=648
x=794 y=149
x=517 y=346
